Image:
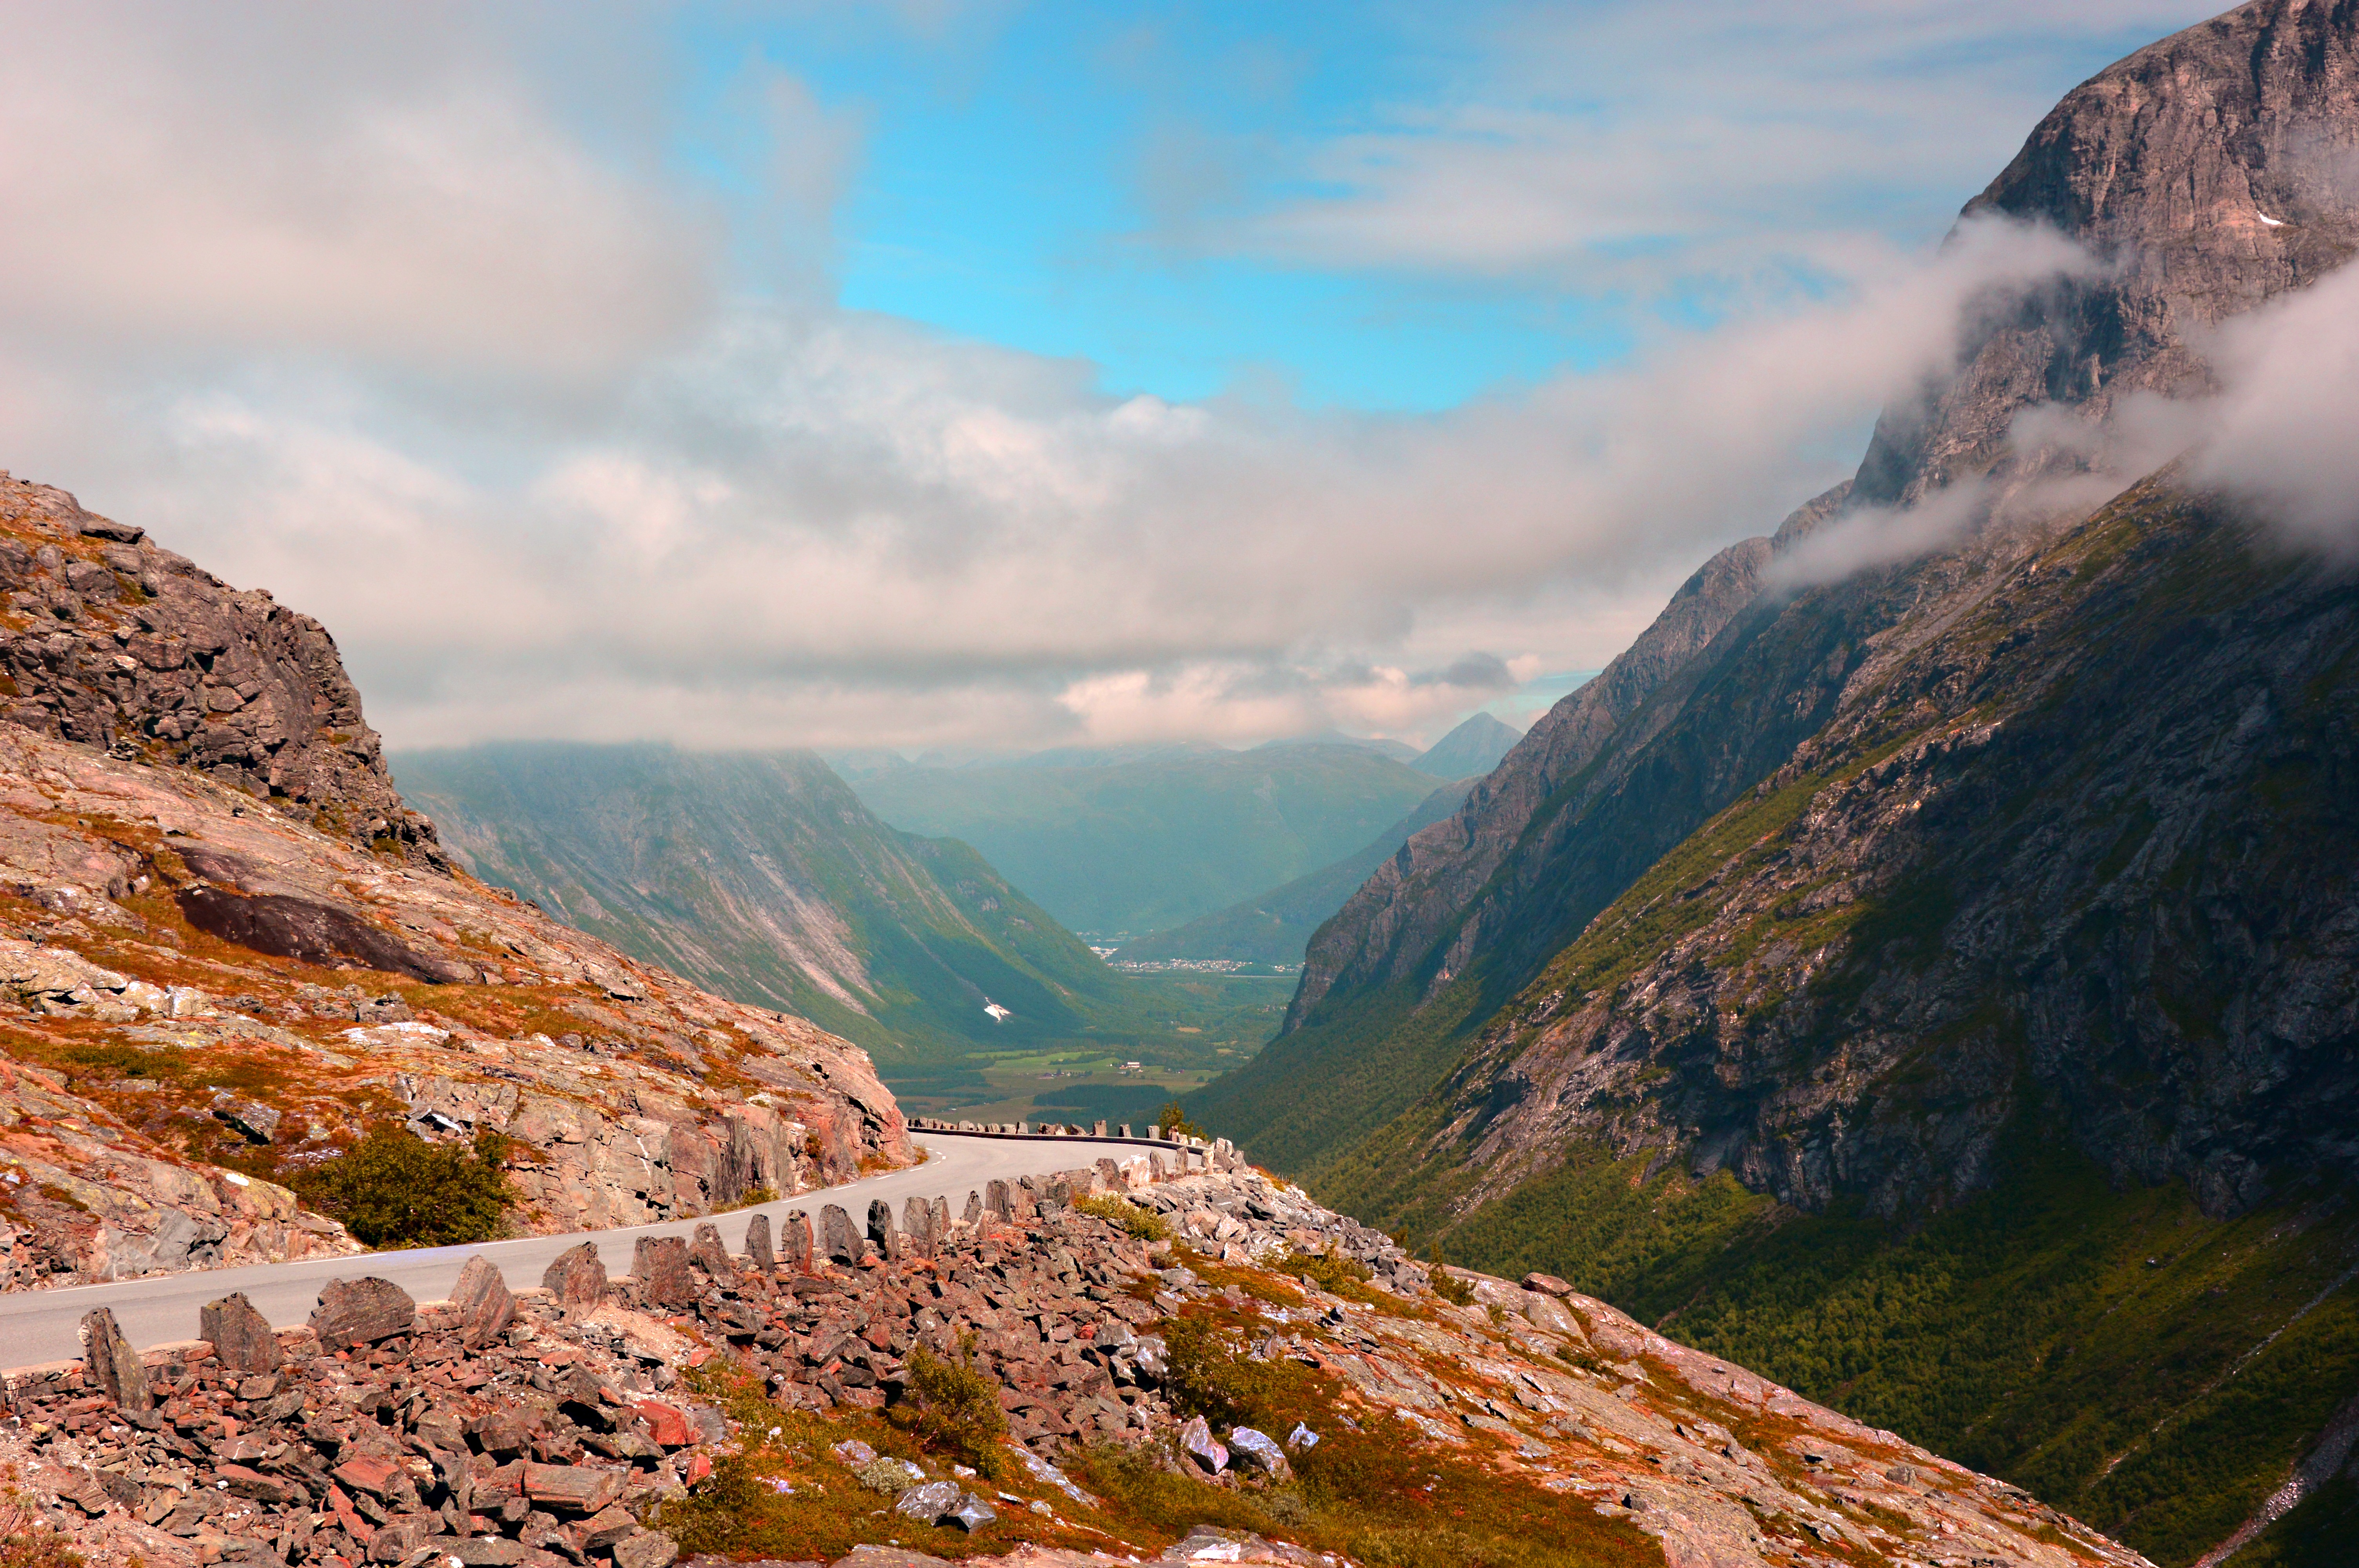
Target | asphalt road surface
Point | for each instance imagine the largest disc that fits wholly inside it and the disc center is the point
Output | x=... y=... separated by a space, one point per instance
x=43 y=1326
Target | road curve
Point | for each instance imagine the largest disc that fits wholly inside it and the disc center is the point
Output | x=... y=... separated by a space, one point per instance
x=43 y=1326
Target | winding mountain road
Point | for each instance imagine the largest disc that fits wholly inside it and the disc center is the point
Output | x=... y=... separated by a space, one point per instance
x=44 y=1325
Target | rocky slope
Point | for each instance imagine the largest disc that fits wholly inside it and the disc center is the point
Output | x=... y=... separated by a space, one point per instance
x=209 y=985
x=1940 y=890
x=117 y=643
x=1136 y=1326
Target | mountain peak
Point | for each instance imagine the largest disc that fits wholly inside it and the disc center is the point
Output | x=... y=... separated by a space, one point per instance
x=1474 y=747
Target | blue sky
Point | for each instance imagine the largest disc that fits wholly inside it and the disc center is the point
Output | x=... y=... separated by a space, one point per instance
x=1075 y=181
x=971 y=372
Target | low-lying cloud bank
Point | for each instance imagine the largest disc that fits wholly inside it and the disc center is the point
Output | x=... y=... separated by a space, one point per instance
x=2273 y=435
x=814 y=526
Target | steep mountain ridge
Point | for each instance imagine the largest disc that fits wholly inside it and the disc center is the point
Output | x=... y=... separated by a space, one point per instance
x=761 y=876
x=1716 y=694
x=1912 y=902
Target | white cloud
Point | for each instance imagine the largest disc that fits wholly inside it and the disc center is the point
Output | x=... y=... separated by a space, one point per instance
x=1725 y=140
x=407 y=344
x=2278 y=433
x=324 y=181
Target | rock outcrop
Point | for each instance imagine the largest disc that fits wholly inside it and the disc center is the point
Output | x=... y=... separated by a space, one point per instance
x=114 y=641
x=589 y=1439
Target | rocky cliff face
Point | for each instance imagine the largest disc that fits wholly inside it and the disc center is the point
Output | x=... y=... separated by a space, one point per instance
x=2163 y=168
x=226 y=947
x=2093 y=844
x=116 y=643
x=2204 y=174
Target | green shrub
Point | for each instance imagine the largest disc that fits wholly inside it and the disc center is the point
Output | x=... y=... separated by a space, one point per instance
x=955 y=1408
x=1136 y=1487
x=394 y=1189
x=752 y=1197
x=1452 y=1289
x=1213 y=1378
x=1175 y=1123
x=1139 y=1221
x=27 y=1540
x=1332 y=1272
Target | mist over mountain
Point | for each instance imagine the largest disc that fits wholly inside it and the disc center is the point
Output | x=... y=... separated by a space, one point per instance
x=1126 y=844
x=1274 y=928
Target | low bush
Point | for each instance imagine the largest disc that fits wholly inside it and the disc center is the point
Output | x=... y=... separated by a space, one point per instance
x=1452 y=1289
x=27 y=1540
x=955 y=1408
x=1332 y=1272
x=394 y=1189
x=1138 y=1485
x=1139 y=1221
x=1211 y=1377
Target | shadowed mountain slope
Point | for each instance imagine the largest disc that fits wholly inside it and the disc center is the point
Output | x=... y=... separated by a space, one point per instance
x=1274 y=928
x=762 y=876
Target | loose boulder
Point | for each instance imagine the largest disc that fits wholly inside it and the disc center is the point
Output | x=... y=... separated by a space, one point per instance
x=757 y=1244
x=708 y=1252
x=837 y=1238
x=795 y=1241
x=578 y=1280
x=661 y=1266
x=112 y=1364
x=362 y=1312
x=241 y=1337
x=486 y=1305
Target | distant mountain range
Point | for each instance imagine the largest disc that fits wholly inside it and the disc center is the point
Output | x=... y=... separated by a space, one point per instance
x=1275 y=927
x=1128 y=842
x=763 y=878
